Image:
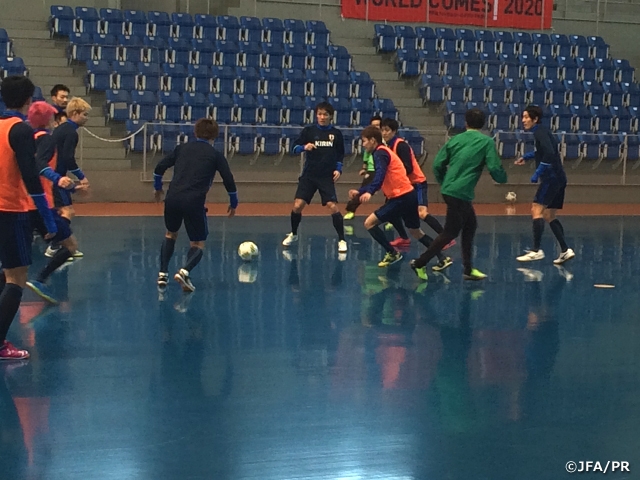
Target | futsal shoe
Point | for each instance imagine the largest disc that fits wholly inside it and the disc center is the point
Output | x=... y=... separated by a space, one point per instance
x=443 y=264
x=421 y=272
x=342 y=246
x=474 y=275
x=390 y=259
x=564 y=256
x=43 y=291
x=289 y=239
x=531 y=275
x=9 y=352
x=452 y=243
x=51 y=251
x=182 y=277
x=77 y=254
x=388 y=227
x=163 y=279
x=349 y=216
x=531 y=256
x=400 y=242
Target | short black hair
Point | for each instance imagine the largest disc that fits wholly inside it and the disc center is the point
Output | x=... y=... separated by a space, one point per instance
x=475 y=118
x=375 y=118
x=59 y=88
x=327 y=107
x=535 y=113
x=391 y=123
x=59 y=116
x=16 y=91
x=372 y=132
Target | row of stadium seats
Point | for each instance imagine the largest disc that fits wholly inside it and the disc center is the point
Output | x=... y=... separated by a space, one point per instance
x=6 y=44
x=389 y=39
x=202 y=79
x=414 y=63
x=122 y=105
x=581 y=146
x=574 y=118
x=84 y=48
x=65 y=22
x=245 y=140
x=491 y=89
x=12 y=66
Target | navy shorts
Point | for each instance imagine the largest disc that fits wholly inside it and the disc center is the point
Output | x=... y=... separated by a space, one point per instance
x=421 y=190
x=404 y=207
x=61 y=197
x=64 y=226
x=15 y=239
x=307 y=188
x=194 y=218
x=550 y=194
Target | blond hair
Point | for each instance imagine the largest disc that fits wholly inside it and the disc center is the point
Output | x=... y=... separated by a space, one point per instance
x=77 y=105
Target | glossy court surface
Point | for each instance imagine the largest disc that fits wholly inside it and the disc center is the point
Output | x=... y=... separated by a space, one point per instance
x=308 y=367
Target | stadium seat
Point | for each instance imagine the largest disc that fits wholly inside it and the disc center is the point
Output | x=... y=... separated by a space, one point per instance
x=117 y=105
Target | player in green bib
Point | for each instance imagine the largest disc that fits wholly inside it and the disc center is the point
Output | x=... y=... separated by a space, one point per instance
x=367 y=172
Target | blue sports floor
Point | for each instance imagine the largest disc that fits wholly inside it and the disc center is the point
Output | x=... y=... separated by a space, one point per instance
x=313 y=368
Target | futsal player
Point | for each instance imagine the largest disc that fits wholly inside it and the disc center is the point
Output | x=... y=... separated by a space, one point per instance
x=60 y=97
x=65 y=137
x=400 y=147
x=549 y=197
x=194 y=166
x=323 y=146
x=19 y=180
x=457 y=169
x=41 y=118
x=402 y=198
x=367 y=173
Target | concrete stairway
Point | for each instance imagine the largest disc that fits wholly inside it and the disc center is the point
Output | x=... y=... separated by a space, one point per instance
x=47 y=63
x=356 y=36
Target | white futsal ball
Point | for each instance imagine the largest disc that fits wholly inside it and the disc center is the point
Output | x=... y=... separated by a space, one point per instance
x=247 y=251
x=511 y=197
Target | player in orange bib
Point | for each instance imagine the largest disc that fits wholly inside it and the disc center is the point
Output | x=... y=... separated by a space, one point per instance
x=402 y=199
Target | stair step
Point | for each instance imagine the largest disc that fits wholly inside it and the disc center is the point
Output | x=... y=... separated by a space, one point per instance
x=107 y=165
x=360 y=50
x=99 y=130
x=90 y=142
x=51 y=72
x=406 y=103
x=101 y=153
x=40 y=43
x=18 y=33
x=19 y=24
x=50 y=51
x=350 y=42
x=40 y=61
x=384 y=76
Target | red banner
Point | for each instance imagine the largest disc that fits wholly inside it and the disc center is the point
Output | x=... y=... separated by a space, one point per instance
x=523 y=14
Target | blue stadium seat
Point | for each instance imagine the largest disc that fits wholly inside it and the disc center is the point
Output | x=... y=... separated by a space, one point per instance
x=271 y=81
x=199 y=79
x=523 y=38
x=148 y=77
x=295 y=31
x=466 y=39
x=581 y=117
x=506 y=43
x=613 y=94
x=124 y=76
x=317 y=57
x=571 y=147
x=486 y=41
x=385 y=38
x=632 y=94
x=159 y=24
x=111 y=21
x=169 y=106
x=223 y=79
x=342 y=108
x=430 y=63
x=549 y=67
x=361 y=85
x=249 y=54
x=568 y=68
x=575 y=92
x=295 y=56
x=449 y=63
x=179 y=51
x=206 y=27
x=601 y=119
x=599 y=48
x=202 y=51
x=500 y=117
x=144 y=106
x=317 y=83
x=98 y=75
x=631 y=147
x=580 y=46
x=406 y=37
x=251 y=30
x=128 y=49
x=222 y=107
x=508 y=145
x=272 y=55
x=562 y=118
x=154 y=50
x=385 y=108
x=454 y=115
x=104 y=48
x=339 y=58
x=294 y=83
x=590 y=146
x=273 y=30
x=270 y=139
x=165 y=137
x=317 y=33
x=62 y=20
x=427 y=39
x=407 y=63
x=586 y=69
x=470 y=64
x=244 y=139
x=195 y=106
x=455 y=88
x=86 y=20
x=247 y=81
x=293 y=110
x=475 y=89
x=228 y=28
x=529 y=67
x=135 y=144
x=117 y=105
x=135 y=23
x=595 y=93
x=340 y=85
x=362 y=111
x=227 y=52
x=623 y=120
x=269 y=109
x=606 y=71
x=495 y=90
x=414 y=139
x=173 y=78
x=245 y=110
x=432 y=89
x=183 y=26
x=626 y=73
x=555 y=90
x=79 y=49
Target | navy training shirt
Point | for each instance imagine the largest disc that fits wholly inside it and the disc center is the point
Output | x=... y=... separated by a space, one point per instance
x=327 y=157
